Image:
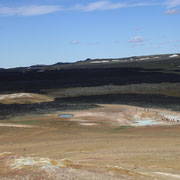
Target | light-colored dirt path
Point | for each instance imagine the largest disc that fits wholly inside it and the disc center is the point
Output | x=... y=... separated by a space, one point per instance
x=15 y=125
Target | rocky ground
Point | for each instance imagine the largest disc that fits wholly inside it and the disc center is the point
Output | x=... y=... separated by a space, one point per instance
x=125 y=120
x=103 y=143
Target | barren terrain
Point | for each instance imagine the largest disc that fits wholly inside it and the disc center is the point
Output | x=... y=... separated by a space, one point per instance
x=103 y=143
x=101 y=119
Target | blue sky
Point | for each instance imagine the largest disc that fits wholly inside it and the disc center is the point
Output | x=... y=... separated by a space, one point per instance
x=50 y=31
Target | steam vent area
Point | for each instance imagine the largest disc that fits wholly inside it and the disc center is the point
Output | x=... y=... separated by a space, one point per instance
x=97 y=119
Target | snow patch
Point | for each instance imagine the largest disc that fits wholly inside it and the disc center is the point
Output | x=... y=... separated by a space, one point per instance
x=99 y=61
x=95 y=62
x=104 y=61
x=115 y=60
x=173 y=56
x=144 y=58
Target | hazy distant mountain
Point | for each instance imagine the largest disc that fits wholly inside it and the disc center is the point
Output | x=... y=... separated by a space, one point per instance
x=152 y=61
x=61 y=63
x=38 y=66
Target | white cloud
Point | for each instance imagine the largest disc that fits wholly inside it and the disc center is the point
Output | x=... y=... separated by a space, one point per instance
x=143 y=4
x=100 y=5
x=108 y=5
x=29 y=10
x=171 y=12
x=172 y=3
x=75 y=42
x=35 y=10
x=136 y=40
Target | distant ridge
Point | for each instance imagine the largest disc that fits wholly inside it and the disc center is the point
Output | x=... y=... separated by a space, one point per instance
x=103 y=63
